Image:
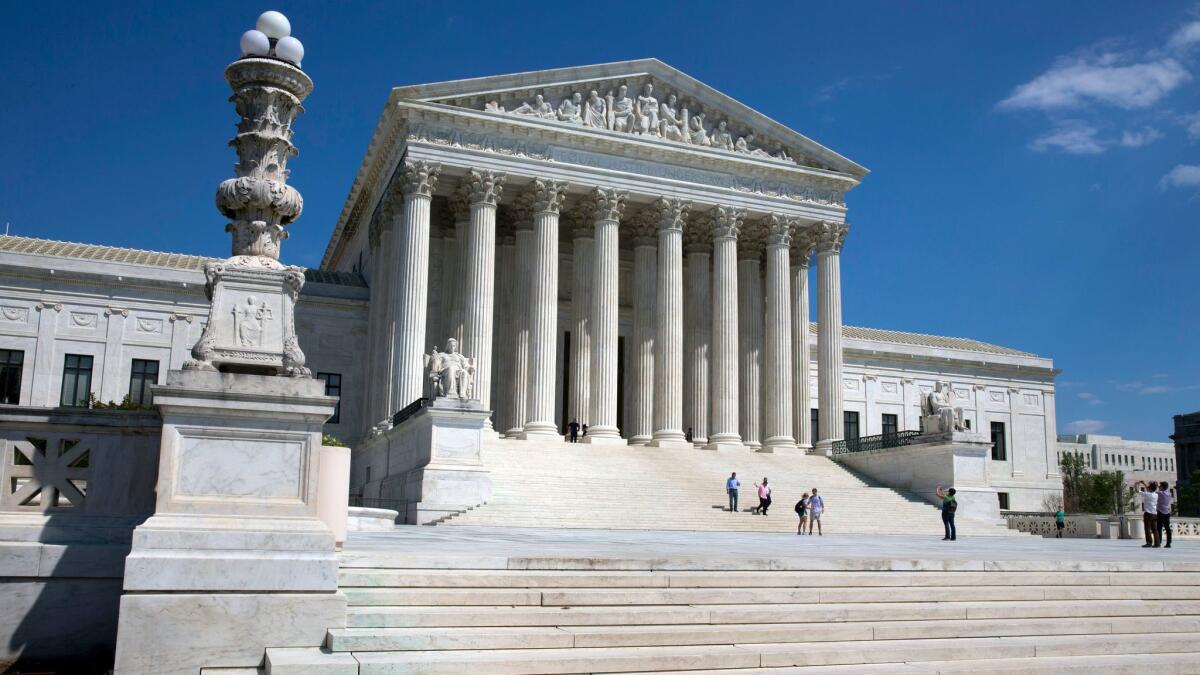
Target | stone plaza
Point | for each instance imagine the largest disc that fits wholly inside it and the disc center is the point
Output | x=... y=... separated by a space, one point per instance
x=619 y=246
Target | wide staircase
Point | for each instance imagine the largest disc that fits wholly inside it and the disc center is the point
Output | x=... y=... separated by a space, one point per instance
x=826 y=616
x=555 y=484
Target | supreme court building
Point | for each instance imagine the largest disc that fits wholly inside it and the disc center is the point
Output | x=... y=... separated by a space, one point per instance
x=618 y=244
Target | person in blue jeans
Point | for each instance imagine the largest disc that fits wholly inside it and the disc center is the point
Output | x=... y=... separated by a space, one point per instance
x=731 y=486
x=949 y=507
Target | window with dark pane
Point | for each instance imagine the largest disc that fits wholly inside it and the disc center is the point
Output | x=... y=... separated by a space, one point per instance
x=12 y=364
x=333 y=387
x=142 y=374
x=77 y=380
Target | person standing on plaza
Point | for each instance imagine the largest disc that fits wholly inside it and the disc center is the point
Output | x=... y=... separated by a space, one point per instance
x=731 y=487
x=1149 y=513
x=802 y=511
x=764 y=497
x=1164 y=515
x=949 y=508
x=574 y=429
x=816 y=506
x=1060 y=523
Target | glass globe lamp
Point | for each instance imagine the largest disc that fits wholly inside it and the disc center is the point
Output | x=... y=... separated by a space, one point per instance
x=255 y=43
x=274 y=24
x=290 y=49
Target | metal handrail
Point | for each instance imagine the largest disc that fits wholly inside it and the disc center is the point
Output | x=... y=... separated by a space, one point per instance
x=870 y=443
x=408 y=411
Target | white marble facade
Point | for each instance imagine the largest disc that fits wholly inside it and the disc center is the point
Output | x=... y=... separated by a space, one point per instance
x=641 y=265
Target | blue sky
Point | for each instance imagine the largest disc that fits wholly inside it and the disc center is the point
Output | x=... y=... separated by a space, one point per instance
x=1035 y=167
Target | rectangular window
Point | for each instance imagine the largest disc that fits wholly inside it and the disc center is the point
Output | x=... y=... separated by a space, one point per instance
x=850 y=425
x=77 y=380
x=333 y=387
x=999 y=447
x=891 y=424
x=1003 y=500
x=12 y=363
x=814 y=421
x=142 y=374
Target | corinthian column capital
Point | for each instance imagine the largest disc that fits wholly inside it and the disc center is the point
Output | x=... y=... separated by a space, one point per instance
x=419 y=178
x=548 y=195
x=779 y=230
x=830 y=236
x=727 y=222
x=671 y=213
x=484 y=187
x=609 y=204
x=803 y=243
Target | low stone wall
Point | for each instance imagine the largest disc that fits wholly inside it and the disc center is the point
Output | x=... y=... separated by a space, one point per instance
x=1097 y=526
x=360 y=519
x=73 y=485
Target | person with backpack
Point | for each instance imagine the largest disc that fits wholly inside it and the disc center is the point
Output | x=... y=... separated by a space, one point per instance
x=949 y=508
x=802 y=511
x=1060 y=523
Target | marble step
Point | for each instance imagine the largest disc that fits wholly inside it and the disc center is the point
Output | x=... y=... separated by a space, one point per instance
x=410 y=639
x=308 y=661
x=626 y=659
x=591 y=597
x=1118 y=664
x=649 y=615
x=550 y=579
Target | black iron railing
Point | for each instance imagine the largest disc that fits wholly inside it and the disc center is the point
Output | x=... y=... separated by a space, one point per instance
x=880 y=442
x=408 y=411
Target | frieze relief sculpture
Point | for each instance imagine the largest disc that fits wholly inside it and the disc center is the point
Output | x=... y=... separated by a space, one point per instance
x=644 y=115
x=451 y=373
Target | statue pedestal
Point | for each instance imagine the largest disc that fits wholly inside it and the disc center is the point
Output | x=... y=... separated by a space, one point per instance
x=428 y=465
x=955 y=459
x=235 y=559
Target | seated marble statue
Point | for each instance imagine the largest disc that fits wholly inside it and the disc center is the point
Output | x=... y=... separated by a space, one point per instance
x=622 y=111
x=595 y=112
x=570 y=108
x=670 y=125
x=539 y=108
x=937 y=406
x=699 y=135
x=453 y=374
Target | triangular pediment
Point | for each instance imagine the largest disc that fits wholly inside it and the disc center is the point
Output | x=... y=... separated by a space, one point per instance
x=657 y=101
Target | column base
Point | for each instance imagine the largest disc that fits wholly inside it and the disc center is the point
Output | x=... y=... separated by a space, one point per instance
x=514 y=432
x=726 y=442
x=670 y=443
x=699 y=441
x=539 y=430
x=640 y=439
x=753 y=445
x=777 y=443
x=825 y=447
x=603 y=436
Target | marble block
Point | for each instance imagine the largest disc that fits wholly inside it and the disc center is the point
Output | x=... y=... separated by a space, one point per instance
x=428 y=464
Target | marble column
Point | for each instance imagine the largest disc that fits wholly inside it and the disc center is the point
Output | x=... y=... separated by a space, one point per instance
x=750 y=335
x=727 y=223
x=479 y=275
x=409 y=283
x=519 y=384
x=668 y=330
x=548 y=196
x=379 y=327
x=454 y=247
x=777 y=351
x=583 y=253
x=829 y=238
x=698 y=334
x=608 y=204
x=506 y=302
x=801 y=253
x=640 y=426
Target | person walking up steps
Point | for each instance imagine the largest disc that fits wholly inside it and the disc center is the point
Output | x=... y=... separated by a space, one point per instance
x=764 y=497
x=802 y=511
x=574 y=429
x=816 y=506
x=949 y=508
x=731 y=486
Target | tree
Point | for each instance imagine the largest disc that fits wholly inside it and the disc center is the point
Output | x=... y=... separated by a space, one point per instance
x=1073 y=469
x=1084 y=492
x=1189 y=497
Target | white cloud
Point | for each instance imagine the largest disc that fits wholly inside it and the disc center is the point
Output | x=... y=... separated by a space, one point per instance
x=1080 y=81
x=1185 y=37
x=1090 y=398
x=1192 y=124
x=1182 y=176
x=1074 y=136
x=1136 y=139
x=1086 y=426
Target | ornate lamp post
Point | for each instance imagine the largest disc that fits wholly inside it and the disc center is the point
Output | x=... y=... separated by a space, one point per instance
x=251 y=327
